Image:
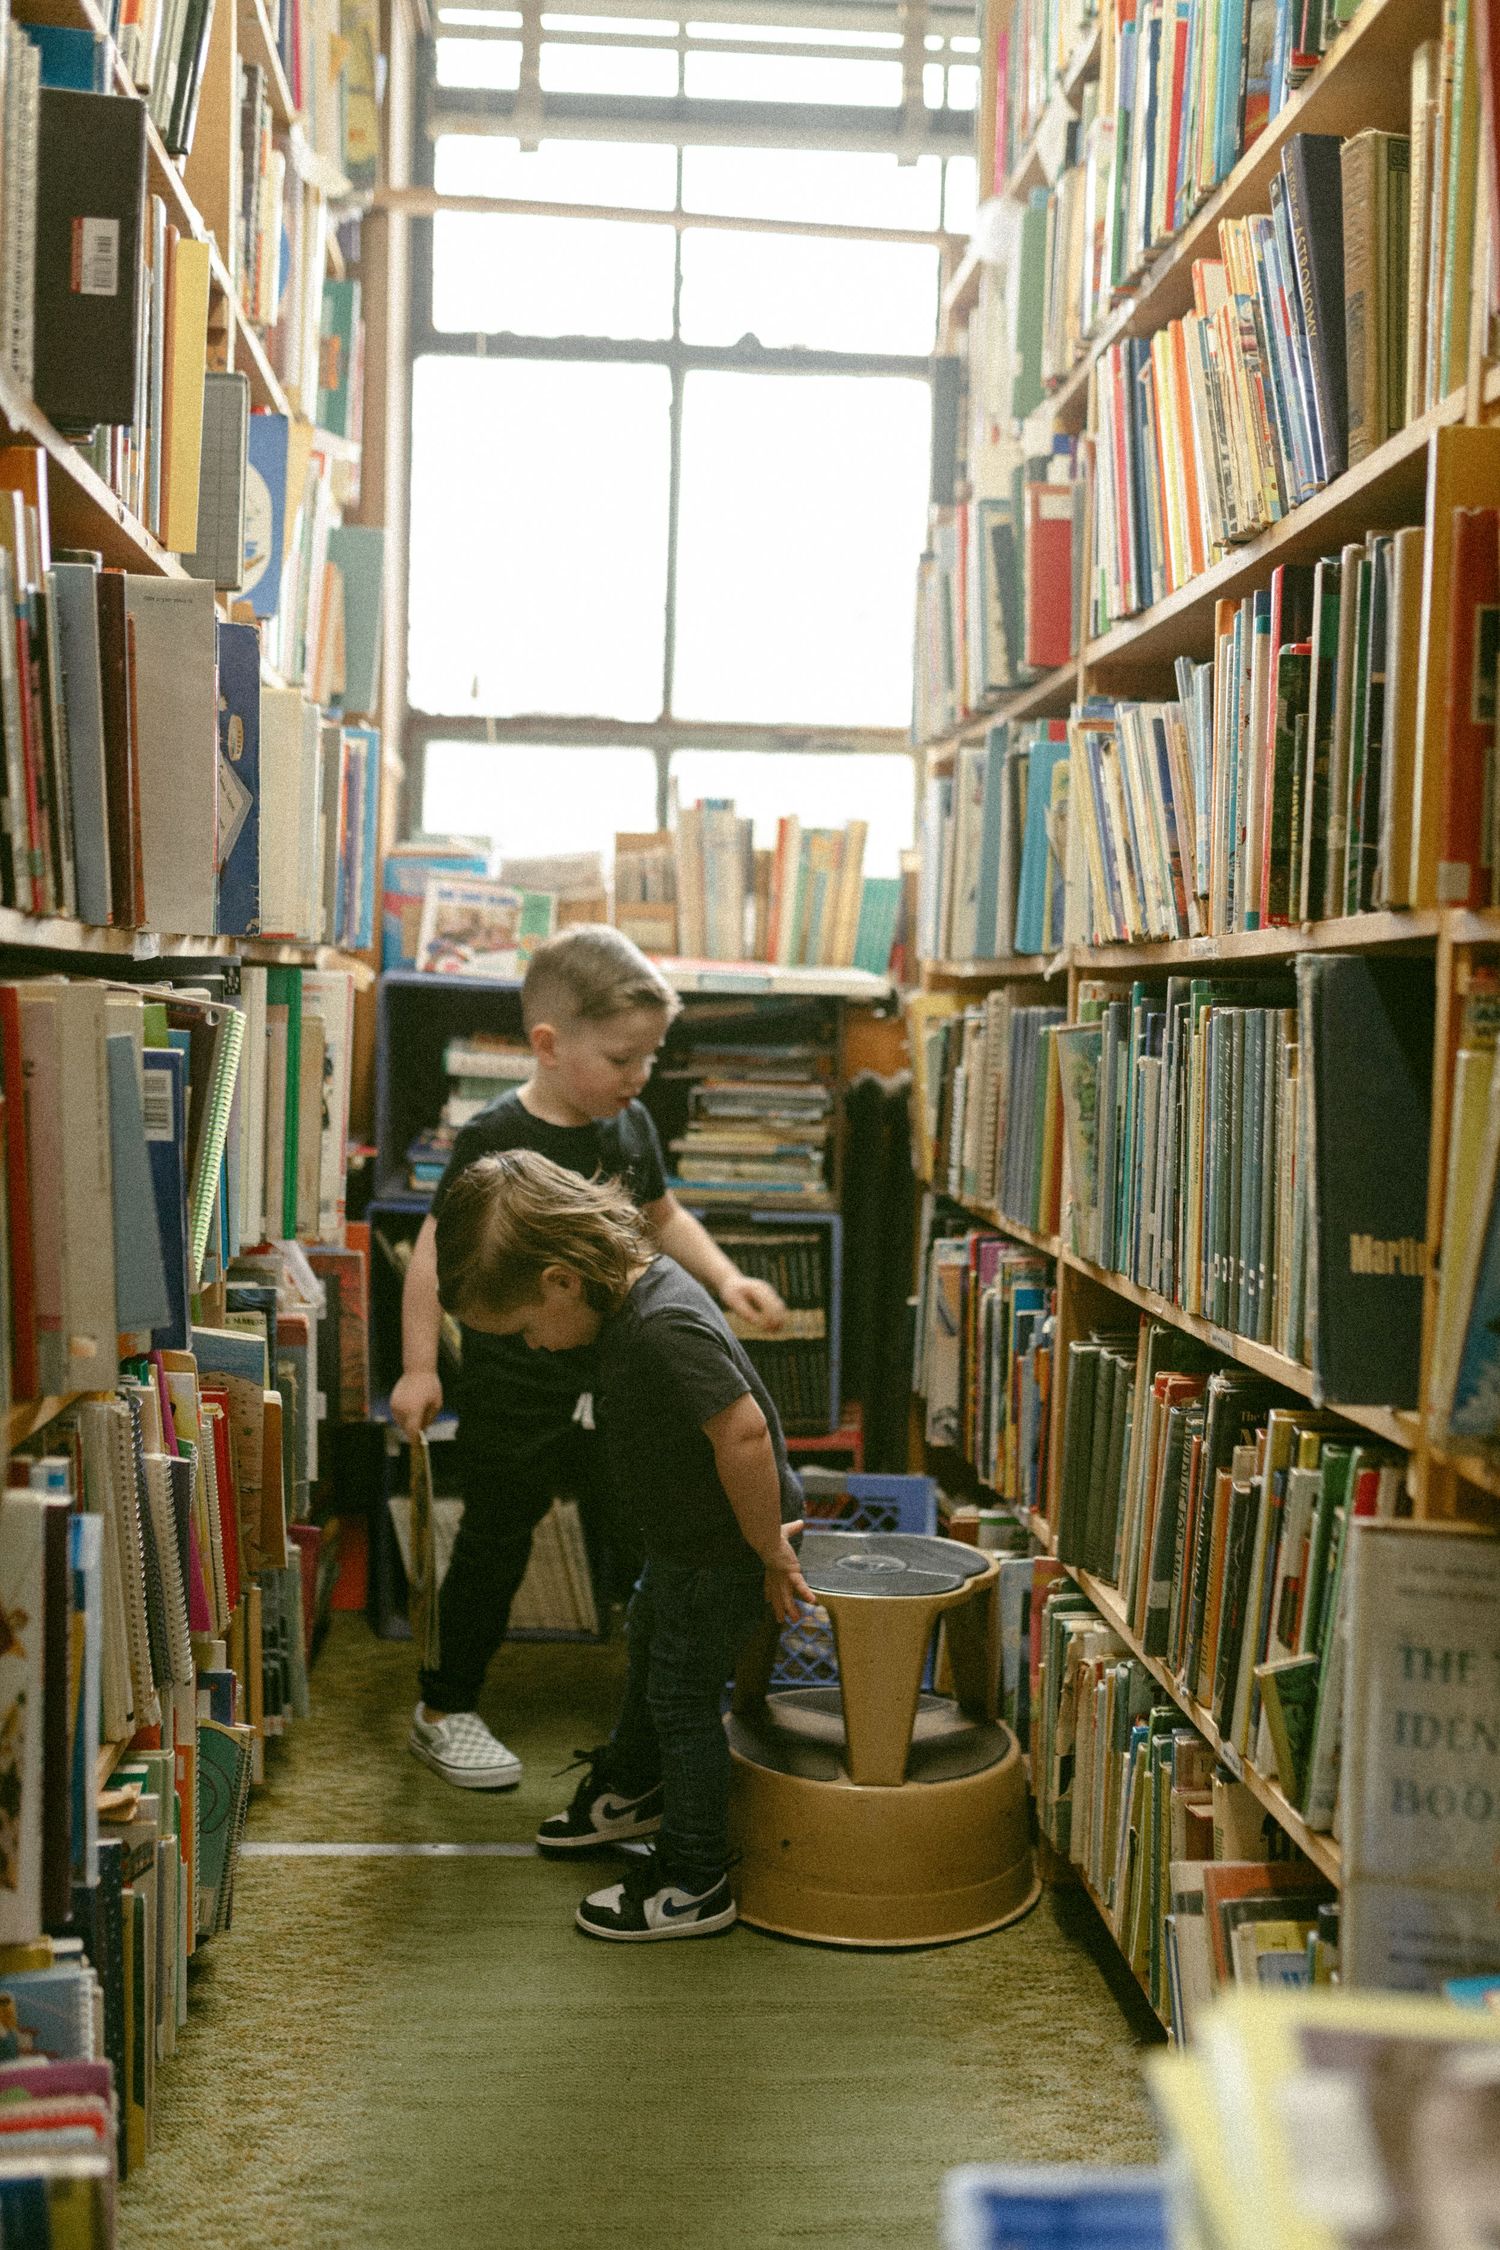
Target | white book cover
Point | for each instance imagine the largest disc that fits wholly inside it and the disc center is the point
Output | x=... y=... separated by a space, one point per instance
x=177 y=748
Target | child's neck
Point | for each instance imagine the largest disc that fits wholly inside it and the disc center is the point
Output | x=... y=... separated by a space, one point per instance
x=543 y=1098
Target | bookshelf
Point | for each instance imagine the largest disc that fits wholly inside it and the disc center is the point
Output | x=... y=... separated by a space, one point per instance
x=1363 y=81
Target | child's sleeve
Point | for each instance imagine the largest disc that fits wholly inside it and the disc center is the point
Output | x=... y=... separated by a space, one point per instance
x=692 y=1359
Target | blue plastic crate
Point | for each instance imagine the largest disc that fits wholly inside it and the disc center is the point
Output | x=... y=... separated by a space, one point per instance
x=865 y=1503
x=1053 y=2207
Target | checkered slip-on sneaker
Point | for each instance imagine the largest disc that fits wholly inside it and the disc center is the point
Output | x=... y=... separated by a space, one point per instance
x=462 y=1749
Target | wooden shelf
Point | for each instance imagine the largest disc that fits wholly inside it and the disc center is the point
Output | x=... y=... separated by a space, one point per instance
x=28 y=1416
x=1320 y=1849
x=250 y=355
x=1394 y=1425
x=84 y=510
x=1012 y=968
x=1097 y=1903
x=257 y=44
x=1351 y=933
x=1482 y=1470
x=1383 y=492
x=56 y=933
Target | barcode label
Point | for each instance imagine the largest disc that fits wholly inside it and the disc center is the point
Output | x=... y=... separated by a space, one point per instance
x=156 y=1104
x=96 y=257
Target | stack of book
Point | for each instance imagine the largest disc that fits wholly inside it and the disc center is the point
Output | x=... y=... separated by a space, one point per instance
x=758 y=1127
x=999 y=587
x=986 y=1109
x=805 y=904
x=1320 y=330
x=984 y=1355
x=645 y=890
x=1035 y=43
x=794 y=1362
x=1259 y=1156
x=993 y=848
x=482 y=1067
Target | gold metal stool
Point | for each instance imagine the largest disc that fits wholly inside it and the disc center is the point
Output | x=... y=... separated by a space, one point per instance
x=871 y=1813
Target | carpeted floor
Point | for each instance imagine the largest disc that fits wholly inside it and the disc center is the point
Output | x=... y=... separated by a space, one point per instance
x=412 y=2051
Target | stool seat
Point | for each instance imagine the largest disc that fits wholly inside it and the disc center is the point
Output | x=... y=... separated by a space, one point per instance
x=800 y=1731
x=886 y=1565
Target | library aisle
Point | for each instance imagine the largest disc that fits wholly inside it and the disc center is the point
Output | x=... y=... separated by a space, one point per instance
x=428 y=2042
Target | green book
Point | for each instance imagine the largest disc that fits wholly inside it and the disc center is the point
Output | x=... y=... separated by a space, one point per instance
x=1289 y=1697
x=284 y=989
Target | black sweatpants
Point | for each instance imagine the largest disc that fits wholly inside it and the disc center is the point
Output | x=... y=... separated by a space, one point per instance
x=505 y=1497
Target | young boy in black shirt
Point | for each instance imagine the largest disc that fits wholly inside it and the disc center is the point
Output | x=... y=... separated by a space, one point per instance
x=595 y=1011
x=697 y=1454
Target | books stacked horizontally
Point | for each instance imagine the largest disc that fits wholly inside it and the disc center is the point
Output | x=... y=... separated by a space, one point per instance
x=758 y=1127
x=1258 y=2153
x=805 y=904
x=1258 y=1154
x=794 y=1363
x=1299 y=359
x=984 y=1341
x=481 y=1067
x=986 y=1115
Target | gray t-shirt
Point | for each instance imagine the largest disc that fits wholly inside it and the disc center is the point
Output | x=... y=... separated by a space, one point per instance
x=668 y=1363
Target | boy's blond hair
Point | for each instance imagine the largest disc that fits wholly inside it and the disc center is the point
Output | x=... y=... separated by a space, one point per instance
x=509 y=1216
x=588 y=974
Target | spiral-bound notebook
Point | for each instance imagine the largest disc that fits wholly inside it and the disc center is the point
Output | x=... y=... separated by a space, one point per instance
x=209 y=1157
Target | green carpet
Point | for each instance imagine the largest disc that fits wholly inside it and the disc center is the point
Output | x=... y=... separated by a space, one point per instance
x=391 y=2052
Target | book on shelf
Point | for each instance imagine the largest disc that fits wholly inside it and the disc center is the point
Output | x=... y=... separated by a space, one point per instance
x=987 y=1112
x=1257 y=2151
x=984 y=1344
x=758 y=1125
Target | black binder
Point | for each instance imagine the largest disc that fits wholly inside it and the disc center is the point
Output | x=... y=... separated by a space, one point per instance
x=91 y=191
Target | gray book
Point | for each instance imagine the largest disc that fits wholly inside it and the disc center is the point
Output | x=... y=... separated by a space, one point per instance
x=220 y=552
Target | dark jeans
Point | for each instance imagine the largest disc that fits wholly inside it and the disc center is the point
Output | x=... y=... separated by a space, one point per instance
x=687 y=1628
x=505 y=1498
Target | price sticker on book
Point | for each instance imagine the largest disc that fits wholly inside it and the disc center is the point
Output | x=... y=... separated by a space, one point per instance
x=1221 y=1340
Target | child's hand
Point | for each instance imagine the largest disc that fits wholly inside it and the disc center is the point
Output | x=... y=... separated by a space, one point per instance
x=753 y=1300
x=787 y=1590
x=415 y=1400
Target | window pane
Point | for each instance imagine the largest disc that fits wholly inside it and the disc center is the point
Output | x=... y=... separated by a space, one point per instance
x=822 y=788
x=963 y=86
x=789 y=607
x=494 y=65
x=785 y=35
x=531 y=798
x=815 y=185
x=792 y=78
x=538 y=537
x=613 y=26
x=532 y=276
x=607 y=70
x=632 y=174
x=792 y=290
x=958 y=194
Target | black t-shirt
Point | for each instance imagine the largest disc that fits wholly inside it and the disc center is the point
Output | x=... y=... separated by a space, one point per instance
x=507 y=1393
x=668 y=1363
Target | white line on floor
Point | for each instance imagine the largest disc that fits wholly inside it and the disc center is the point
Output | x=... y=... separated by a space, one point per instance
x=388 y=1851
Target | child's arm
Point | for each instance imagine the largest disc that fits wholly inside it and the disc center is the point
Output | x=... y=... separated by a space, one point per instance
x=747 y=1470
x=419 y=1393
x=688 y=1241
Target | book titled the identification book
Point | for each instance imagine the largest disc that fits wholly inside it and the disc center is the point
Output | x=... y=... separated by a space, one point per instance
x=1366 y=1027
x=1421 y=1824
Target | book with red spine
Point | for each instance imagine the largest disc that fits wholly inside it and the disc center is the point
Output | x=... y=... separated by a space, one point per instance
x=1049 y=576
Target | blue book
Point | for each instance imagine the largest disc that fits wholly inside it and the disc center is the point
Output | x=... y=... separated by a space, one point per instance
x=879 y=912
x=56 y=2008
x=165 y=1074
x=358 y=550
x=1473 y=1992
x=142 y=1298
x=72 y=59
x=265 y=512
x=239 y=780
x=1031 y=935
x=358 y=926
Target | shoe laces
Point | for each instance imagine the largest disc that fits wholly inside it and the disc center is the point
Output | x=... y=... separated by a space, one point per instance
x=589 y=1758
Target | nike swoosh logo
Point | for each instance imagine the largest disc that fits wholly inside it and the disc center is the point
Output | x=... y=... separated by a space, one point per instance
x=675 y=1913
x=617 y=1808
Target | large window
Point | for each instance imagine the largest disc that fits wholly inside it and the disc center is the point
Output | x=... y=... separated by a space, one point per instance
x=670 y=468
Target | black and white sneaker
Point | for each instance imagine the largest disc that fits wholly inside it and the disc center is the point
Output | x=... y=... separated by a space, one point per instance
x=646 y=1905
x=598 y=1814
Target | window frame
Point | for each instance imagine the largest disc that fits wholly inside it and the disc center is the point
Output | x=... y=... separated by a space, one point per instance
x=680 y=121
